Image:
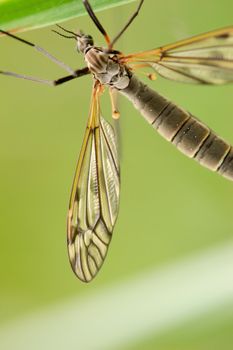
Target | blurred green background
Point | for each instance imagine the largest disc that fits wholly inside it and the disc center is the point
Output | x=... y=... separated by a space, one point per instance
x=171 y=208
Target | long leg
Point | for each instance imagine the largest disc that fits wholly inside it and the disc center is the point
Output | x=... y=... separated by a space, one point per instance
x=96 y=21
x=77 y=74
x=127 y=25
x=41 y=50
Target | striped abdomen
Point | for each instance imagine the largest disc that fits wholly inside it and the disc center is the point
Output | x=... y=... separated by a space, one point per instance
x=186 y=132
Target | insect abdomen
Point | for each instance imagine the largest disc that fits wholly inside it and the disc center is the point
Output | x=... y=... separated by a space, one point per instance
x=186 y=132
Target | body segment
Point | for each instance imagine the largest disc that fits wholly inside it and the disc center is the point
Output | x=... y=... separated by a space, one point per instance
x=186 y=132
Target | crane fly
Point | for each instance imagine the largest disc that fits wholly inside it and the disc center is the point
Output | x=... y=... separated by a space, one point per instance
x=94 y=202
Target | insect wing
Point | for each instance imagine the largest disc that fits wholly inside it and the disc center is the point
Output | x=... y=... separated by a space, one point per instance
x=203 y=59
x=94 y=199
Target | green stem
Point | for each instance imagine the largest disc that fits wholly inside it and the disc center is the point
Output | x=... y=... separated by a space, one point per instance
x=21 y=15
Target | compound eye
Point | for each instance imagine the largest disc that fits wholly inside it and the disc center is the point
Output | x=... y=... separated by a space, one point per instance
x=89 y=40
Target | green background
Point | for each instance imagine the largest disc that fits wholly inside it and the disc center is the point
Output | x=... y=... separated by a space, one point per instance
x=170 y=206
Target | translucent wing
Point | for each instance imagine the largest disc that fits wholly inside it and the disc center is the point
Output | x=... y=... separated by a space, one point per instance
x=94 y=198
x=202 y=59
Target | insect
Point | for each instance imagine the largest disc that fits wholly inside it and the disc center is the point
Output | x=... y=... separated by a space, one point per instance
x=94 y=202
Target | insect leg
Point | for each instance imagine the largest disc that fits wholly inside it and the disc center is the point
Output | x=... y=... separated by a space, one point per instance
x=127 y=25
x=78 y=73
x=96 y=21
x=41 y=50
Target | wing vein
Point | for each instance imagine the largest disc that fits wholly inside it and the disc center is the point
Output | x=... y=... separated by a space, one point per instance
x=182 y=73
x=109 y=148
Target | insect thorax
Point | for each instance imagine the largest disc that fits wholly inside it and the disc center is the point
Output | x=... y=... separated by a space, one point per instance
x=106 y=68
